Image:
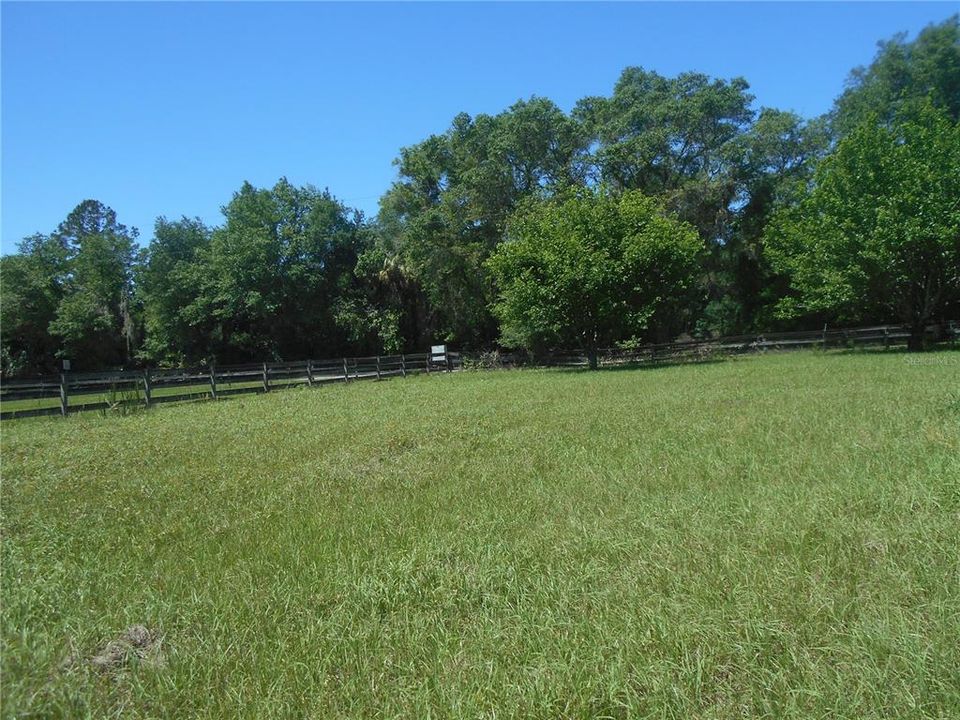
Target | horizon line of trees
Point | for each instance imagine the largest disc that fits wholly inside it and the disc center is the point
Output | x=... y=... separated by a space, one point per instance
x=669 y=207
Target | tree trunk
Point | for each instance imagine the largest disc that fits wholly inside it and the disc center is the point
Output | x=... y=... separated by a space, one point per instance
x=915 y=341
x=593 y=339
x=592 y=358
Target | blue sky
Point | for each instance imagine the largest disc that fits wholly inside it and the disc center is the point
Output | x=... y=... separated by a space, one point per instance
x=165 y=109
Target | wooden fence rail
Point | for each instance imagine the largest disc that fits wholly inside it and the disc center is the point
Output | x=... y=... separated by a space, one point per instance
x=76 y=392
x=68 y=393
x=693 y=350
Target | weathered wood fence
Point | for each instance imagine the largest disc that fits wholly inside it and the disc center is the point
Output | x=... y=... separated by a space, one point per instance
x=74 y=392
x=63 y=394
x=698 y=350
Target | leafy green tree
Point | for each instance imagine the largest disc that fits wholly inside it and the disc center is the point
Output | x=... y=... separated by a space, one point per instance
x=776 y=156
x=272 y=275
x=31 y=288
x=696 y=143
x=592 y=268
x=903 y=72
x=170 y=280
x=675 y=138
x=447 y=212
x=390 y=312
x=70 y=294
x=878 y=235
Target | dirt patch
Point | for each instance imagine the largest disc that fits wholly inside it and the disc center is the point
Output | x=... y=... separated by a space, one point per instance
x=137 y=644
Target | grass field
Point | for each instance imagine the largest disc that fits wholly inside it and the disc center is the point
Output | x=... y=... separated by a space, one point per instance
x=773 y=536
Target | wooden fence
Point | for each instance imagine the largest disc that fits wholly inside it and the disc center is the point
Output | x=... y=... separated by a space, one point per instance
x=117 y=390
x=123 y=389
x=698 y=350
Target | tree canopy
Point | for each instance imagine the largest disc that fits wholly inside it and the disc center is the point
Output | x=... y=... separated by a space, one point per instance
x=265 y=284
x=902 y=72
x=672 y=205
x=592 y=268
x=447 y=211
x=878 y=234
x=75 y=287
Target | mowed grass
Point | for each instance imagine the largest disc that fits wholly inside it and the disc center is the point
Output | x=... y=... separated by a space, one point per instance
x=773 y=536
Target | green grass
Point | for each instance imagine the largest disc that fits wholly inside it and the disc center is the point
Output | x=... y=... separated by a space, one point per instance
x=772 y=536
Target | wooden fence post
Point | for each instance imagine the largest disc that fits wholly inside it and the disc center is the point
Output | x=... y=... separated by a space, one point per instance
x=309 y=373
x=824 y=341
x=147 y=387
x=266 y=378
x=378 y=367
x=213 y=382
x=403 y=365
x=346 y=372
x=886 y=337
x=429 y=357
x=63 y=394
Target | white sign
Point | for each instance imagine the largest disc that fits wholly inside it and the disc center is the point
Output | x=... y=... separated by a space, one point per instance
x=66 y=365
x=438 y=349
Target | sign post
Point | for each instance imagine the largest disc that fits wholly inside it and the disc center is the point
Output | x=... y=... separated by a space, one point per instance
x=64 y=393
x=438 y=354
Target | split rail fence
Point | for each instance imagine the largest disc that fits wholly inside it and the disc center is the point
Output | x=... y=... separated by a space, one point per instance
x=72 y=392
x=887 y=336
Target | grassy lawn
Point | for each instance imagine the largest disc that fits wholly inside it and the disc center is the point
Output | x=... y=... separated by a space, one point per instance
x=771 y=536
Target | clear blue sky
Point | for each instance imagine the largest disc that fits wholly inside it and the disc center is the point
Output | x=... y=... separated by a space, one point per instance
x=165 y=109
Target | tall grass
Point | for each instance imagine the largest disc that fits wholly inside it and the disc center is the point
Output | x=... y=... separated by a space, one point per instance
x=771 y=536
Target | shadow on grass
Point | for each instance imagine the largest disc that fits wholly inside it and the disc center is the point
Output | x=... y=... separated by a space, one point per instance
x=949 y=347
x=643 y=365
x=941 y=353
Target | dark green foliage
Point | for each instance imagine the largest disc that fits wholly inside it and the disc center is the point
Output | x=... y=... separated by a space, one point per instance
x=273 y=274
x=170 y=281
x=94 y=320
x=446 y=214
x=30 y=292
x=592 y=269
x=877 y=238
x=671 y=137
x=776 y=157
x=903 y=71
x=70 y=295
x=696 y=143
x=390 y=312
x=293 y=273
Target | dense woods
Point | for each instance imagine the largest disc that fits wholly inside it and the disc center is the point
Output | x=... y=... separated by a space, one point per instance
x=672 y=206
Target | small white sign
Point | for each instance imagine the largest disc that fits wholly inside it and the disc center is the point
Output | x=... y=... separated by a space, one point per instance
x=66 y=365
x=438 y=349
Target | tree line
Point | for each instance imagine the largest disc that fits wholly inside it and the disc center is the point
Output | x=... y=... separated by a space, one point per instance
x=669 y=207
